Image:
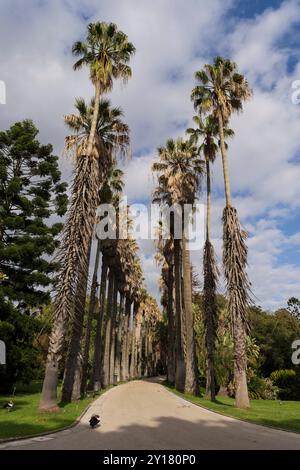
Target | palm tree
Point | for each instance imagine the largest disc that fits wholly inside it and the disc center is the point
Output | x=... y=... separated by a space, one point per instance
x=207 y=132
x=107 y=53
x=114 y=135
x=84 y=201
x=109 y=193
x=179 y=169
x=222 y=91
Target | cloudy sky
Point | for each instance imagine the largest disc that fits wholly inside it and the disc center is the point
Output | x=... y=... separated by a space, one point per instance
x=173 y=39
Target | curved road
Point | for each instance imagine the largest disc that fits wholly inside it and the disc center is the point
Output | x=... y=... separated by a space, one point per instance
x=144 y=415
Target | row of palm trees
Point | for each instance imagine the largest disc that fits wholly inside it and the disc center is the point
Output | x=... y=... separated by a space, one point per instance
x=125 y=313
x=182 y=164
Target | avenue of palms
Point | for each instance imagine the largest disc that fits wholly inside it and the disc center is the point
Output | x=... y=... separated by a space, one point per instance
x=101 y=281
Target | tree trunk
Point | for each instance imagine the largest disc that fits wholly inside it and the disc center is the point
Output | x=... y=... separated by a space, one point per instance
x=76 y=393
x=107 y=329
x=210 y=306
x=240 y=365
x=86 y=352
x=224 y=160
x=125 y=342
x=75 y=245
x=98 y=337
x=191 y=385
x=210 y=312
x=180 y=365
x=94 y=119
x=120 y=328
x=235 y=261
x=73 y=358
x=133 y=346
x=171 y=331
x=113 y=333
x=146 y=371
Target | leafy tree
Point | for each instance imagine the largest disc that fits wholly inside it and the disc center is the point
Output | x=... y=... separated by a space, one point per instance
x=31 y=193
x=24 y=354
x=274 y=334
x=294 y=307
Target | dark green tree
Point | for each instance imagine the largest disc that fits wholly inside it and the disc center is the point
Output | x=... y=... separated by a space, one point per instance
x=294 y=307
x=24 y=351
x=32 y=195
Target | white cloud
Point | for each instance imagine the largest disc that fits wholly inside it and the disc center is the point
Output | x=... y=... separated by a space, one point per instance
x=173 y=40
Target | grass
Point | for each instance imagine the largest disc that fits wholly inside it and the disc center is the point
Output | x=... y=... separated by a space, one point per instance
x=282 y=415
x=26 y=420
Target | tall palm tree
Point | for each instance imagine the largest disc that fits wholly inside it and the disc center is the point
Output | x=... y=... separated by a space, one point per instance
x=107 y=53
x=114 y=135
x=179 y=169
x=222 y=90
x=206 y=132
x=91 y=157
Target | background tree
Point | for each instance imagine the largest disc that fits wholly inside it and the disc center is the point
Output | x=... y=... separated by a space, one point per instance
x=31 y=196
x=294 y=307
x=31 y=191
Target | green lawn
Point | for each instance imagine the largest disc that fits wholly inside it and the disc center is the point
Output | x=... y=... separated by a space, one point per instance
x=26 y=420
x=284 y=415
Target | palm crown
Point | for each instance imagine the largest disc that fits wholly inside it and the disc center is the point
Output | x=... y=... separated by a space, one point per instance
x=220 y=88
x=107 y=52
x=110 y=128
x=207 y=130
x=179 y=171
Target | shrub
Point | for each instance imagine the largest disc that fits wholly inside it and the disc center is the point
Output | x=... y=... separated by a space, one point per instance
x=287 y=382
x=260 y=388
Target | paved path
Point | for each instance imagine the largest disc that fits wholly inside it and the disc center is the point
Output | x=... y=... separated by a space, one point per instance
x=144 y=415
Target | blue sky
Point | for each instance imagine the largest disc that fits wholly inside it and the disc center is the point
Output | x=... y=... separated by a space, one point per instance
x=174 y=38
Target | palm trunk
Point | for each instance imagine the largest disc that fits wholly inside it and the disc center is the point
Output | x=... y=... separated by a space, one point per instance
x=210 y=306
x=125 y=342
x=86 y=352
x=191 y=367
x=180 y=366
x=146 y=371
x=107 y=329
x=73 y=359
x=120 y=328
x=139 y=352
x=113 y=333
x=133 y=345
x=171 y=332
x=94 y=120
x=210 y=312
x=98 y=337
x=224 y=160
x=75 y=244
x=235 y=262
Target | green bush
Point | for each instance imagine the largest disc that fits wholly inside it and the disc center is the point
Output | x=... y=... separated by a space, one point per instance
x=260 y=388
x=287 y=382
